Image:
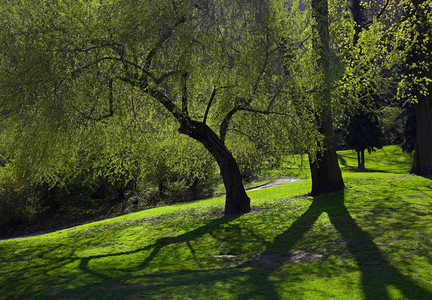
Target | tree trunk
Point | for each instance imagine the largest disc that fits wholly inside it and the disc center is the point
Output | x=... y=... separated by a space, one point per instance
x=360 y=160
x=422 y=161
x=237 y=201
x=325 y=172
x=422 y=57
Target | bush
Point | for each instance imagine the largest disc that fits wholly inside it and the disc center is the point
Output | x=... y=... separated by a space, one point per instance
x=18 y=202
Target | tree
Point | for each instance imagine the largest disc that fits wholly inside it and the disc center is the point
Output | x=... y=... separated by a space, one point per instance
x=364 y=133
x=419 y=80
x=395 y=45
x=325 y=170
x=69 y=65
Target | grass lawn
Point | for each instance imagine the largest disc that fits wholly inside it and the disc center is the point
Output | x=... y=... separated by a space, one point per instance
x=371 y=241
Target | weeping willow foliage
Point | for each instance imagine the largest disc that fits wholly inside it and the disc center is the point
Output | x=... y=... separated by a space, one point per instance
x=83 y=83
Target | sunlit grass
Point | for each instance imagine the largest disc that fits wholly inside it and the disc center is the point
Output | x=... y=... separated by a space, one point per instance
x=372 y=241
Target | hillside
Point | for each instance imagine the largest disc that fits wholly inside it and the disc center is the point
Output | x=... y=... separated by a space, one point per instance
x=371 y=241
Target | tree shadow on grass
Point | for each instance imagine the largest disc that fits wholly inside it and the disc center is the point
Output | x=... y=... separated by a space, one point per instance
x=209 y=228
x=376 y=272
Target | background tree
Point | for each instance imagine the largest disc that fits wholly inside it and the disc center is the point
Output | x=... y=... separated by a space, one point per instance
x=418 y=81
x=393 y=49
x=364 y=133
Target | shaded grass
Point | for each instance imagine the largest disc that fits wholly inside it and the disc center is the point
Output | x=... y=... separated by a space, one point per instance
x=371 y=241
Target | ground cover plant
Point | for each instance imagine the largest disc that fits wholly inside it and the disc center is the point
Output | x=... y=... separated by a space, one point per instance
x=370 y=241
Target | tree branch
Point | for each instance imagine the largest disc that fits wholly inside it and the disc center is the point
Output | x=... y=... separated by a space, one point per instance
x=263 y=112
x=166 y=75
x=110 y=107
x=120 y=59
x=367 y=24
x=225 y=122
x=162 y=40
x=209 y=104
x=169 y=105
x=184 y=94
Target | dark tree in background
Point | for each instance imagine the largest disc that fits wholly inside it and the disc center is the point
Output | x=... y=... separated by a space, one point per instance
x=364 y=133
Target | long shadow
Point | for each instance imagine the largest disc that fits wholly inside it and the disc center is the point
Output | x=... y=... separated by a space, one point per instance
x=377 y=272
x=157 y=246
x=342 y=160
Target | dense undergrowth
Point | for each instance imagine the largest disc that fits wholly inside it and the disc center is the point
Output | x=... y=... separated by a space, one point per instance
x=371 y=241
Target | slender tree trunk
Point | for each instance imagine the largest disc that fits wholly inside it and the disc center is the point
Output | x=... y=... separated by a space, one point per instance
x=358 y=160
x=362 y=166
x=325 y=172
x=237 y=201
x=422 y=161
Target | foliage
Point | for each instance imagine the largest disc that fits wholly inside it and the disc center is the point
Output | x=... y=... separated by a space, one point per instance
x=18 y=201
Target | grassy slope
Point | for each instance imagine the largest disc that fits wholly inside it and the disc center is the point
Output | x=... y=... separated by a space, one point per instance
x=372 y=241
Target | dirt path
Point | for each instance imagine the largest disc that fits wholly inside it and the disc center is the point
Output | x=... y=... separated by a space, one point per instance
x=276 y=182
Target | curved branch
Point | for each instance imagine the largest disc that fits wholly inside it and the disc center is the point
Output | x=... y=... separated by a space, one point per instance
x=168 y=104
x=225 y=122
x=184 y=96
x=110 y=107
x=263 y=112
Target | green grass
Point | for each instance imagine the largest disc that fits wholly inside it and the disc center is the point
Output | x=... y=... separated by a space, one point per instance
x=371 y=241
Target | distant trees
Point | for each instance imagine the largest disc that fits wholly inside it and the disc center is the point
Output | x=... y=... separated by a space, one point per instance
x=364 y=133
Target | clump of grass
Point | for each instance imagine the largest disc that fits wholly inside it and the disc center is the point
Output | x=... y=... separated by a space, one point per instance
x=371 y=241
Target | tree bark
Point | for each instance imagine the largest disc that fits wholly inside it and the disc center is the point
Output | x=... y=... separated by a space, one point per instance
x=360 y=160
x=236 y=201
x=325 y=172
x=422 y=160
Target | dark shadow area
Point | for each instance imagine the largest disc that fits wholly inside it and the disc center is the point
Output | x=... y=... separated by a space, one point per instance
x=377 y=272
x=391 y=166
x=89 y=266
x=342 y=160
x=157 y=246
x=427 y=177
